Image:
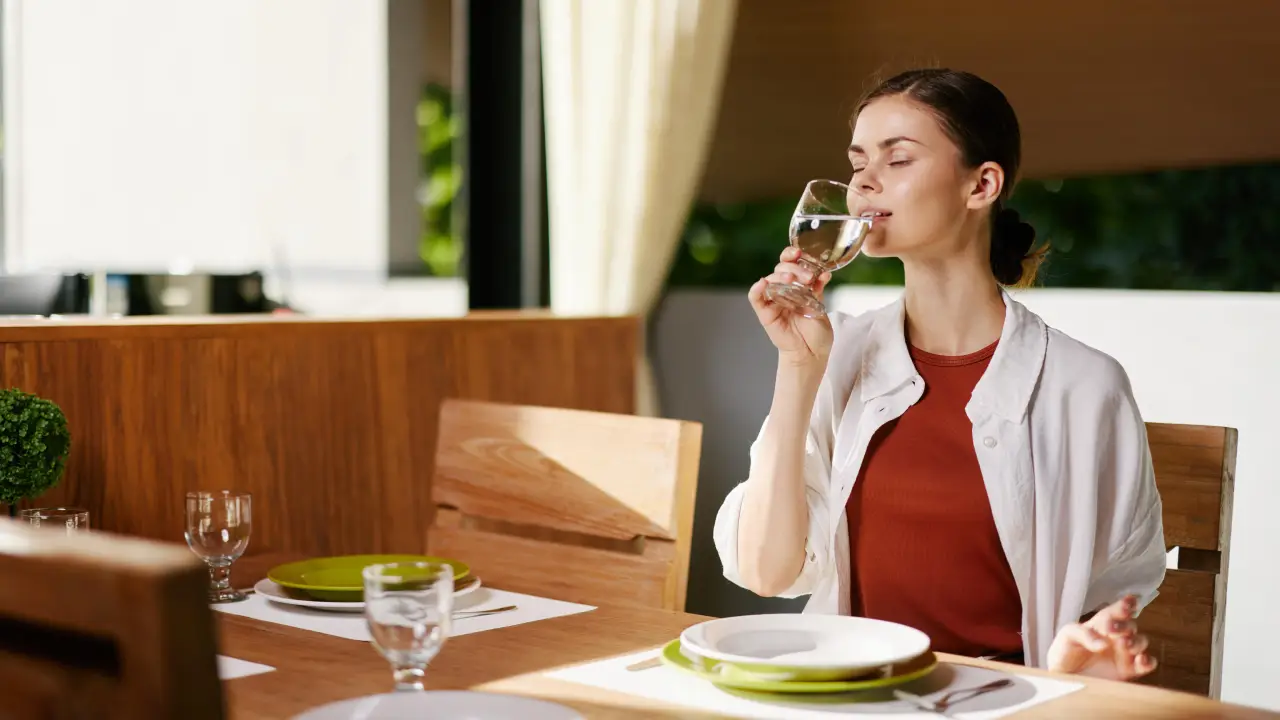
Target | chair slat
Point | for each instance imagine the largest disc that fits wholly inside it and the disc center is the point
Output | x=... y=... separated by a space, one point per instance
x=543 y=482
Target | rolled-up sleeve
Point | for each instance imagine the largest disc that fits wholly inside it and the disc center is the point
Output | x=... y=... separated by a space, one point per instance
x=817 y=473
x=1134 y=532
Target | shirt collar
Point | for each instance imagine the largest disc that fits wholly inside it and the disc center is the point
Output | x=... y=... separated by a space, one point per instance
x=1005 y=388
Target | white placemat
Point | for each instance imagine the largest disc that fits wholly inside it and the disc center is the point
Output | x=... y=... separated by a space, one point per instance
x=679 y=688
x=230 y=668
x=529 y=608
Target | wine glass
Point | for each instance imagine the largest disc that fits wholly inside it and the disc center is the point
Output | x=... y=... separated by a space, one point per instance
x=828 y=237
x=409 y=608
x=69 y=519
x=217 y=531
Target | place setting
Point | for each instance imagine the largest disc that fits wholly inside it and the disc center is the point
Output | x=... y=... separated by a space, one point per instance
x=405 y=605
x=814 y=665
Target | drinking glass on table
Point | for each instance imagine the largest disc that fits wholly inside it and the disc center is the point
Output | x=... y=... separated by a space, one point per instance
x=218 y=524
x=70 y=519
x=828 y=237
x=408 y=607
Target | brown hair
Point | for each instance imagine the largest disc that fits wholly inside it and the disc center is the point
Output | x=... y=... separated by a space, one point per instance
x=981 y=122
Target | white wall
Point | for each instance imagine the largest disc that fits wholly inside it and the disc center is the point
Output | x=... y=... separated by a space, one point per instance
x=1200 y=358
x=153 y=135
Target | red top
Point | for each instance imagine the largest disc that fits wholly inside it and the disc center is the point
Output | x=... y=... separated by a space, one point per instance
x=922 y=540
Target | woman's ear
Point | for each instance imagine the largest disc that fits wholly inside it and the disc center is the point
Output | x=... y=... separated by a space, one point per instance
x=987 y=187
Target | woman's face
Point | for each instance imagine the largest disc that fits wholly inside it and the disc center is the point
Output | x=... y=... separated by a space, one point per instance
x=910 y=173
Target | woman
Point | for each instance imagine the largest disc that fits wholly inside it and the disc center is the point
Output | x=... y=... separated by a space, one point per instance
x=950 y=462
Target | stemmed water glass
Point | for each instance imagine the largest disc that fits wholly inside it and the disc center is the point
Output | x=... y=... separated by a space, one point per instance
x=408 y=607
x=68 y=519
x=218 y=524
x=828 y=237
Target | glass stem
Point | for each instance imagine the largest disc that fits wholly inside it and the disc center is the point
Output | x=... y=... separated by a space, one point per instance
x=409 y=679
x=220 y=577
x=812 y=267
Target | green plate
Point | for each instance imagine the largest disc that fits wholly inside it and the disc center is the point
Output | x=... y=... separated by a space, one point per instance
x=338 y=579
x=728 y=676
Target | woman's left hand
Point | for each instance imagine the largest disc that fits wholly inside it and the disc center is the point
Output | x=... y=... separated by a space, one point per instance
x=1107 y=645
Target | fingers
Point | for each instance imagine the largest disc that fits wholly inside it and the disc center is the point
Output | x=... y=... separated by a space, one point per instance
x=1131 y=656
x=1086 y=637
x=1121 y=611
x=794 y=271
x=1129 y=647
x=823 y=279
x=766 y=311
x=1137 y=644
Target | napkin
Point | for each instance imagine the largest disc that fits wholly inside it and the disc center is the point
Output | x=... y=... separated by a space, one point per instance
x=230 y=668
x=529 y=608
x=669 y=685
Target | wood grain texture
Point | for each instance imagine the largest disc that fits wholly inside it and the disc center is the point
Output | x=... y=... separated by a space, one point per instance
x=1188 y=464
x=1148 y=85
x=331 y=425
x=1194 y=469
x=100 y=626
x=314 y=669
x=585 y=506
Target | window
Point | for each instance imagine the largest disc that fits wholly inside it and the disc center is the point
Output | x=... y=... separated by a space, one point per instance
x=1206 y=229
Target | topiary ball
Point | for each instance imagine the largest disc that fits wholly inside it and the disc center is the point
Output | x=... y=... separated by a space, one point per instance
x=34 y=443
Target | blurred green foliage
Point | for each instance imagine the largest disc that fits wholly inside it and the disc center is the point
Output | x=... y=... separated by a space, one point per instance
x=34 y=444
x=1210 y=229
x=440 y=246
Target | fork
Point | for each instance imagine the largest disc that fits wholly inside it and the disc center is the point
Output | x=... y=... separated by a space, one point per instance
x=465 y=614
x=942 y=704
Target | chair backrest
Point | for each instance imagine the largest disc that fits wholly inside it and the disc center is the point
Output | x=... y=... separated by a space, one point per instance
x=94 y=625
x=1195 y=470
x=582 y=506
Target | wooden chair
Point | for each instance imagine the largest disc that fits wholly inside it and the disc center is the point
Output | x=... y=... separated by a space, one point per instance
x=1195 y=470
x=581 y=506
x=101 y=626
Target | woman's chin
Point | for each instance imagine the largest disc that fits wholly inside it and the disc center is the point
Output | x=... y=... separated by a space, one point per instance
x=876 y=247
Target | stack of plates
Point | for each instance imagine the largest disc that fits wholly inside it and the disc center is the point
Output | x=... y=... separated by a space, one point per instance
x=806 y=653
x=336 y=583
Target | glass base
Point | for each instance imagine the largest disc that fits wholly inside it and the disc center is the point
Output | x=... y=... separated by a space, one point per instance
x=229 y=595
x=796 y=298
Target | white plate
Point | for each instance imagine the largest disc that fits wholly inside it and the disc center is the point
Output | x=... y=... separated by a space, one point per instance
x=275 y=593
x=817 y=644
x=430 y=705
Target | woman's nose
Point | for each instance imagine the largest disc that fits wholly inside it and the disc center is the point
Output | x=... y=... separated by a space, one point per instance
x=864 y=182
x=860 y=188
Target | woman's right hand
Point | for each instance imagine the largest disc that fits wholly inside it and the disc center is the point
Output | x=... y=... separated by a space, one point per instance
x=800 y=340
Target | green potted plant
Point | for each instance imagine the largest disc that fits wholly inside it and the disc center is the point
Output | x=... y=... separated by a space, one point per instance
x=34 y=443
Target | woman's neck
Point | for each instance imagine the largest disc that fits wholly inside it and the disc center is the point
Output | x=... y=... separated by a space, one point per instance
x=953 y=307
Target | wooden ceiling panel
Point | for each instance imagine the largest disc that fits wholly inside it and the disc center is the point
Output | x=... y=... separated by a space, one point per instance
x=1099 y=86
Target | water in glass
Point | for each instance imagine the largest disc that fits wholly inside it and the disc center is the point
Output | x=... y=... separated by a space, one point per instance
x=218 y=525
x=828 y=238
x=408 y=607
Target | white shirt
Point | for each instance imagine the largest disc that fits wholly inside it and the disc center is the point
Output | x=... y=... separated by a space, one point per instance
x=1062 y=449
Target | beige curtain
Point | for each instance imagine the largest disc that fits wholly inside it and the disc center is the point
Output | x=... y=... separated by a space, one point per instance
x=631 y=89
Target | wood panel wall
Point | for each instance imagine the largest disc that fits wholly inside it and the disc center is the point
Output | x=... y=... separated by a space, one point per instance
x=331 y=425
x=1099 y=86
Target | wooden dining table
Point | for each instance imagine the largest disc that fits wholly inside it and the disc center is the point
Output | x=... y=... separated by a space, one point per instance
x=312 y=669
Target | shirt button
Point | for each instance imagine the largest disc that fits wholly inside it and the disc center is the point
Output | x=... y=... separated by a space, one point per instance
x=989 y=441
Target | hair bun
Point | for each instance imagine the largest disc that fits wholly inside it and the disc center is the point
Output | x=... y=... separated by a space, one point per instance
x=1011 y=240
